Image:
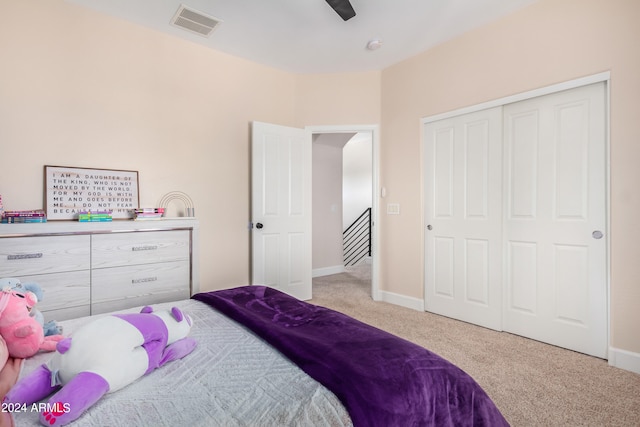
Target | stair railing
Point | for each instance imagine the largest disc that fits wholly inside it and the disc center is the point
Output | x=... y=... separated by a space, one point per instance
x=356 y=239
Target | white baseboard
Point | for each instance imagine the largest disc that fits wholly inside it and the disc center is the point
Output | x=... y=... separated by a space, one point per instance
x=402 y=300
x=623 y=359
x=326 y=271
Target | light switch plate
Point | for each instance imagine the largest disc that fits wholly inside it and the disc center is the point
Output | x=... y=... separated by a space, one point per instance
x=393 y=208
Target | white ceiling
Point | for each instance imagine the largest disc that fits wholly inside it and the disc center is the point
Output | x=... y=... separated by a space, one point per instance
x=307 y=36
x=338 y=140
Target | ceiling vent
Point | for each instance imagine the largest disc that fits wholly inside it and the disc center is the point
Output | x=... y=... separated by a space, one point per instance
x=195 y=21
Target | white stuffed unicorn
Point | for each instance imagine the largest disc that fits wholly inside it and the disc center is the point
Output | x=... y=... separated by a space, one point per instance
x=102 y=357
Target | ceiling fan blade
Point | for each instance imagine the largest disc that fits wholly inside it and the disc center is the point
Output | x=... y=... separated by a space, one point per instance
x=342 y=8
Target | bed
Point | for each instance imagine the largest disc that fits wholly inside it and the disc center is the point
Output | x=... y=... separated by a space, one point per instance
x=266 y=359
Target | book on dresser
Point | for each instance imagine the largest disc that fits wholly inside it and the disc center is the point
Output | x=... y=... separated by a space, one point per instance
x=142 y=214
x=95 y=216
x=25 y=216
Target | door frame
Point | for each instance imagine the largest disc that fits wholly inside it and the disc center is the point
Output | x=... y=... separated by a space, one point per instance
x=546 y=90
x=375 y=144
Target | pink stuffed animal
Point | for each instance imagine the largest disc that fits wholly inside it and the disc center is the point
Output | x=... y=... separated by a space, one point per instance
x=23 y=334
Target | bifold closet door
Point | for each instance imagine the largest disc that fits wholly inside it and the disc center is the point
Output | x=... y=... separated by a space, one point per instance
x=555 y=219
x=463 y=245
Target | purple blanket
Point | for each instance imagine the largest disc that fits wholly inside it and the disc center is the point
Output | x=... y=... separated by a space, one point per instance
x=381 y=379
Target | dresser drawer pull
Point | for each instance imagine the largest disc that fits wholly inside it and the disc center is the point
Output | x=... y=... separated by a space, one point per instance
x=24 y=256
x=145 y=248
x=144 y=280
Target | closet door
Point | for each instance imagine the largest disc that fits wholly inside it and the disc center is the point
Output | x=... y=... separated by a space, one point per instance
x=515 y=211
x=554 y=222
x=463 y=208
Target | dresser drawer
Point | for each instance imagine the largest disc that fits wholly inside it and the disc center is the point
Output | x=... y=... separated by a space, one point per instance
x=67 y=313
x=138 y=301
x=20 y=256
x=120 y=283
x=62 y=290
x=121 y=249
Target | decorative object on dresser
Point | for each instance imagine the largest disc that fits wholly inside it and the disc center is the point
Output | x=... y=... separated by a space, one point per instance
x=95 y=267
x=167 y=199
x=70 y=190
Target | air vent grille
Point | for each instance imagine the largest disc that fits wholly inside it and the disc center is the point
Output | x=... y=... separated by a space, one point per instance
x=194 y=21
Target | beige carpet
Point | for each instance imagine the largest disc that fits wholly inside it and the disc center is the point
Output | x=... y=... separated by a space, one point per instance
x=533 y=384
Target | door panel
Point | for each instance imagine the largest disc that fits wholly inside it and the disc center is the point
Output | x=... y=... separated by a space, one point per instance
x=443 y=268
x=572 y=167
x=281 y=204
x=463 y=246
x=523 y=165
x=555 y=174
x=477 y=260
x=443 y=140
x=476 y=170
x=572 y=290
x=522 y=276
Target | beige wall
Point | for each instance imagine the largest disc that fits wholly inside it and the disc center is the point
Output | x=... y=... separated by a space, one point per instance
x=549 y=42
x=327 y=206
x=338 y=99
x=78 y=88
x=82 y=89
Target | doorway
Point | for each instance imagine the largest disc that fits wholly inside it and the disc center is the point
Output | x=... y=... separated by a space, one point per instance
x=338 y=196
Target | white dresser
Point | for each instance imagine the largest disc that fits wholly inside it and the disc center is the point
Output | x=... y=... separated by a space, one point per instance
x=92 y=268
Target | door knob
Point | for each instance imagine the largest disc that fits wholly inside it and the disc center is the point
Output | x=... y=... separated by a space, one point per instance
x=429 y=227
x=259 y=225
x=597 y=234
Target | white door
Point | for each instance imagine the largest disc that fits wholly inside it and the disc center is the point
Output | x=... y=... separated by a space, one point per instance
x=463 y=182
x=551 y=230
x=555 y=219
x=281 y=208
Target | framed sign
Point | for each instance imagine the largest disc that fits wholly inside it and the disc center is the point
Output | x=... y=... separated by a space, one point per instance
x=70 y=190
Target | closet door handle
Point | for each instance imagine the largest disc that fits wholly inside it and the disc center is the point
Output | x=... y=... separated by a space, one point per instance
x=597 y=234
x=259 y=225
